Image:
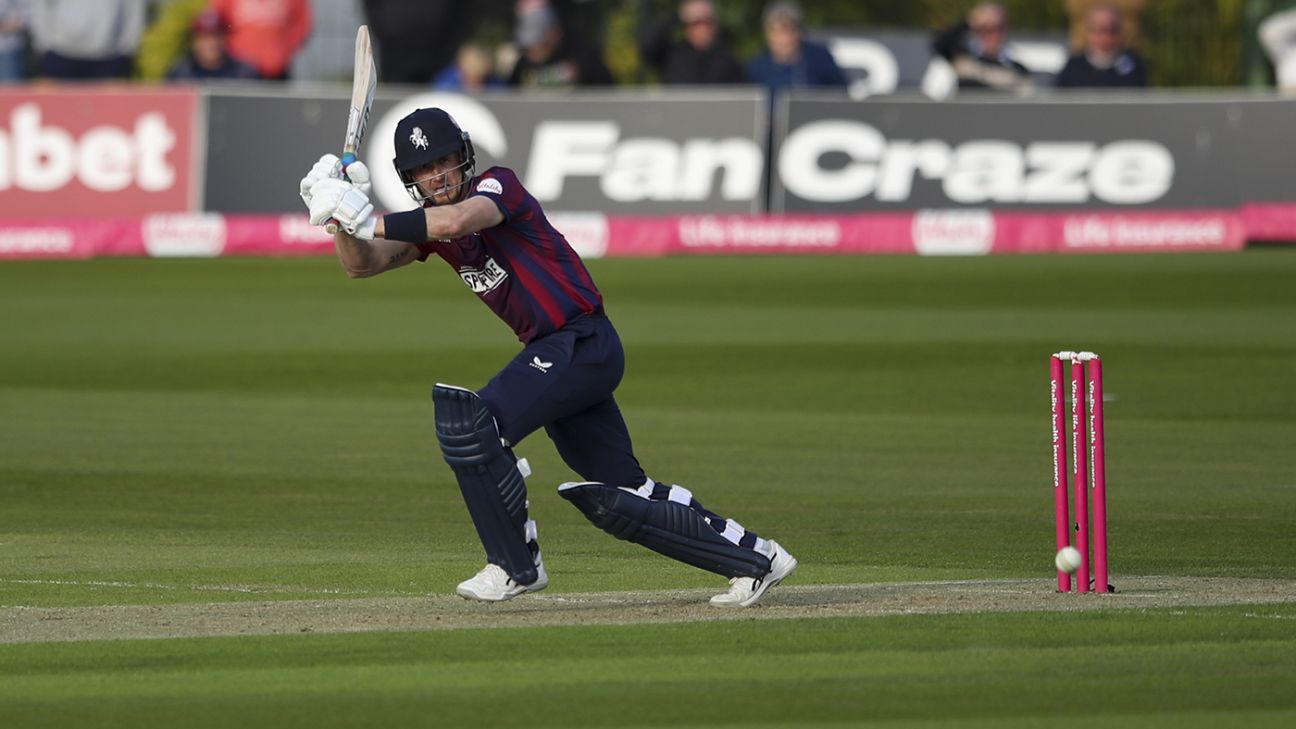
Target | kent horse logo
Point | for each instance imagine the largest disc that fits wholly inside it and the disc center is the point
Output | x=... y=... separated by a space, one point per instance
x=484 y=279
x=418 y=139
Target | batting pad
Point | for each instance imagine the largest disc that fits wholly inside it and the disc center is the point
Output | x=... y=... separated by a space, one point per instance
x=666 y=527
x=489 y=478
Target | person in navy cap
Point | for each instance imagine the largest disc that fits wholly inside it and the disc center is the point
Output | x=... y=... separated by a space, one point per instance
x=495 y=236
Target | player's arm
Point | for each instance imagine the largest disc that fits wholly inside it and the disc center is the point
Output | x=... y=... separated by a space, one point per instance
x=365 y=258
x=441 y=223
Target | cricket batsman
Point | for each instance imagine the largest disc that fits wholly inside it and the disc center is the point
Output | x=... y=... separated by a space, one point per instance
x=492 y=232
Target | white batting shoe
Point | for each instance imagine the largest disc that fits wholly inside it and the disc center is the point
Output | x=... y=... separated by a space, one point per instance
x=747 y=591
x=493 y=584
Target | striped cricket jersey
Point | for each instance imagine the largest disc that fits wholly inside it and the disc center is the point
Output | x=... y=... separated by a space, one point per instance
x=523 y=268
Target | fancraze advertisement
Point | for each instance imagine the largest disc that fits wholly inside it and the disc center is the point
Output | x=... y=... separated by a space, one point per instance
x=833 y=155
x=607 y=152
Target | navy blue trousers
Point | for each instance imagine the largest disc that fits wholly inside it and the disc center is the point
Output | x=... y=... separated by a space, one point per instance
x=563 y=383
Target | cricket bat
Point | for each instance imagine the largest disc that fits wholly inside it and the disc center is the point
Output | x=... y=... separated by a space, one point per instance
x=363 y=82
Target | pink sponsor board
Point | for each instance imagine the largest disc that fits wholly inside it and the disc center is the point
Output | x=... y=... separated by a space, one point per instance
x=95 y=151
x=925 y=232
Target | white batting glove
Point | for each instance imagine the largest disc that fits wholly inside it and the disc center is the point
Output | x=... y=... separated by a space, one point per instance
x=355 y=214
x=328 y=167
x=324 y=197
x=358 y=173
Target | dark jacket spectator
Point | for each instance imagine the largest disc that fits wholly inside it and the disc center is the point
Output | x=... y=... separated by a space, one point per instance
x=550 y=58
x=87 y=39
x=700 y=57
x=977 y=49
x=1104 y=62
x=415 y=39
x=789 y=60
x=266 y=33
x=208 y=57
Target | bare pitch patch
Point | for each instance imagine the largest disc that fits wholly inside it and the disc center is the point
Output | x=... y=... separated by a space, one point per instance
x=442 y=612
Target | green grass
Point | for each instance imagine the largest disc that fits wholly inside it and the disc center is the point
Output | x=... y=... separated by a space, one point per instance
x=169 y=429
x=1213 y=667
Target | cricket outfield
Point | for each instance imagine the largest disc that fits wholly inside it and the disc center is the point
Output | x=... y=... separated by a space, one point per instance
x=236 y=459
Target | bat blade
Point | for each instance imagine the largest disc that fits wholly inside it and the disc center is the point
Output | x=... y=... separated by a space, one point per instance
x=364 y=81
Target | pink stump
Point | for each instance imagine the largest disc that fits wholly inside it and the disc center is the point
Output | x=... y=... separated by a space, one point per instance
x=1078 y=449
x=1057 y=395
x=1098 y=467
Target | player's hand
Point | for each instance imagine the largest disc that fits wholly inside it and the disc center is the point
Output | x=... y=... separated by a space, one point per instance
x=356 y=214
x=358 y=173
x=328 y=167
x=324 y=196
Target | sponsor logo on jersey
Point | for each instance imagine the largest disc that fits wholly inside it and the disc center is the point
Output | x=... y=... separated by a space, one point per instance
x=490 y=185
x=484 y=279
x=541 y=365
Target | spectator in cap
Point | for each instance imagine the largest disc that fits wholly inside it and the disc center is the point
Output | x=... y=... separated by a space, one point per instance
x=208 y=58
x=977 y=48
x=87 y=39
x=13 y=43
x=789 y=59
x=699 y=57
x=1104 y=61
x=549 y=57
x=266 y=33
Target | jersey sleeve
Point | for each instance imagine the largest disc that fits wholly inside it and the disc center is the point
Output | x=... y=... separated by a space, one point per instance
x=502 y=187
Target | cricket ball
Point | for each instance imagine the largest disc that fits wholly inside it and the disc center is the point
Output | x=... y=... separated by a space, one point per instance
x=1067 y=560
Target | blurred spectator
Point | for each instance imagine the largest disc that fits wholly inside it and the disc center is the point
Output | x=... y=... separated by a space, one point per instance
x=789 y=59
x=472 y=71
x=700 y=57
x=1131 y=12
x=551 y=58
x=166 y=38
x=1278 y=36
x=266 y=33
x=977 y=48
x=13 y=40
x=1104 y=61
x=414 y=39
x=86 y=39
x=208 y=57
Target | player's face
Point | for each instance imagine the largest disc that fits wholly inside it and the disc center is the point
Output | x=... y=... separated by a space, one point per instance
x=441 y=180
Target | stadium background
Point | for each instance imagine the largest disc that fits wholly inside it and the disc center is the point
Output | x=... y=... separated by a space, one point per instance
x=209 y=437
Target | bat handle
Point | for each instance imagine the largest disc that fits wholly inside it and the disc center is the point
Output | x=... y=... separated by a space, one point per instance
x=348 y=159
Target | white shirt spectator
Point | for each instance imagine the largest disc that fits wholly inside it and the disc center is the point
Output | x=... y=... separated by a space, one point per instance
x=87 y=29
x=1278 y=36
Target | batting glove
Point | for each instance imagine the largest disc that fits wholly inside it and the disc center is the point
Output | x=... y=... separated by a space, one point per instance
x=355 y=214
x=328 y=167
x=325 y=196
x=358 y=173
